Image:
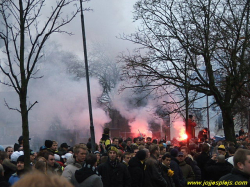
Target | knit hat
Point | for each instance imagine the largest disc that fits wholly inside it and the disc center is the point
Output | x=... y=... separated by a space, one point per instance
x=112 y=147
x=14 y=156
x=141 y=155
x=20 y=158
x=174 y=152
x=222 y=147
x=48 y=143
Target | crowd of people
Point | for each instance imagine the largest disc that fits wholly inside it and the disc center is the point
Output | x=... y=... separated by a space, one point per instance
x=137 y=162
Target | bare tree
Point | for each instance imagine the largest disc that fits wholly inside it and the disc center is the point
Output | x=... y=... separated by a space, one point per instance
x=24 y=33
x=202 y=46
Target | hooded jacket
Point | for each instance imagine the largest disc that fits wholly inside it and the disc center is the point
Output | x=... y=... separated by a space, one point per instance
x=136 y=170
x=86 y=177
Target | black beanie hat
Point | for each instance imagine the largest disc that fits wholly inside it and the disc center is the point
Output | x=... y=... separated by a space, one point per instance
x=20 y=158
x=48 y=143
x=141 y=155
x=174 y=152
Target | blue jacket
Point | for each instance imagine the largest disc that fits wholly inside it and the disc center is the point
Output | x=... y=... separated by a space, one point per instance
x=14 y=178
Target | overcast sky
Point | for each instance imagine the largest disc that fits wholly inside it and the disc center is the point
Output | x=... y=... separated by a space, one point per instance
x=107 y=20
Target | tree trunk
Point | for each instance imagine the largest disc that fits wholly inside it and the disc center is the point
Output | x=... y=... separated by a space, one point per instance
x=228 y=124
x=25 y=129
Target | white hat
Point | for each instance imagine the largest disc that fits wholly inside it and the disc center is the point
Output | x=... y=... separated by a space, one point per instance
x=57 y=157
x=67 y=155
x=14 y=156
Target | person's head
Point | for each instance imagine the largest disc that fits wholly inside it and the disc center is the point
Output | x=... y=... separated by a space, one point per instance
x=147 y=152
x=64 y=146
x=120 y=155
x=190 y=116
x=126 y=157
x=163 y=150
x=116 y=141
x=9 y=151
x=148 y=140
x=231 y=150
x=80 y=152
x=141 y=155
x=39 y=179
x=20 y=140
x=221 y=159
x=184 y=150
x=112 y=152
x=106 y=130
x=205 y=148
x=54 y=145
x=40 y=166
x=221 y=150
x=32 y=156
x=98 y=155
x=242 y=160
x=135 y=148
x=48 y=143
x=154 y=150
x=129 y=141
x=166 y=159
x=136 y=141
x=91 y=160
x=20 y=163
x=180 y=157
x=50 y=158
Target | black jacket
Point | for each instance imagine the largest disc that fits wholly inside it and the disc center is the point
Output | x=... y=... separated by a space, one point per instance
x=136 y=170
x=235 y=176
x=216 y=170
x=178 y=178
x=153 y=176
x=114 y=175
x=169 y=180
x=202 y=160
x=195 y=168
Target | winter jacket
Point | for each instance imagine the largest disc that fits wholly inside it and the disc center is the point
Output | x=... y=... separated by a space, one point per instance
x=187 y=171
x=114 y=174
x=216 y=170
x=86 y=177
x=9 y=169
x=153 y=176
x=195 y=168
x=235 y=176
x=14 y=178
x=71 y=167
x=136 y=170
x=169 y=180
x=202 y=160
x=178 y=178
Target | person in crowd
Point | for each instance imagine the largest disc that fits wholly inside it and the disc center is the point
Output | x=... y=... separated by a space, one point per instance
x=67 y=158
x=186 y=169
x=54 y=147
x=19 y=146
x=178 y=178
x=126 y=158
x=98 y=156
x=136 y=169
x=120 y=156
x=191 y=162
x=9 y=167
x=217 y=167
x=191 y=126
x=48 y=144
x=128 y=142
x=167 y=173
x=41 y=180
x=52 y=166
x=116 y=142
x=136 y=141
x=20 y=171
x=41 y=166
x=241 y=132
x=80 y=153
x=202 y=160
x=222 y=151
x=114 y=173
x=148 y=142
x=153 y=176
x=241 y=169
x=105 y=140
x=9 y=151
x=32 y=157
x=63 y=149
x=3 y=183
x=163 y=150
x=87 y=176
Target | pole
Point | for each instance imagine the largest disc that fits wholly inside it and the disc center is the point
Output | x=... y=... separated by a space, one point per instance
x=92 y=131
